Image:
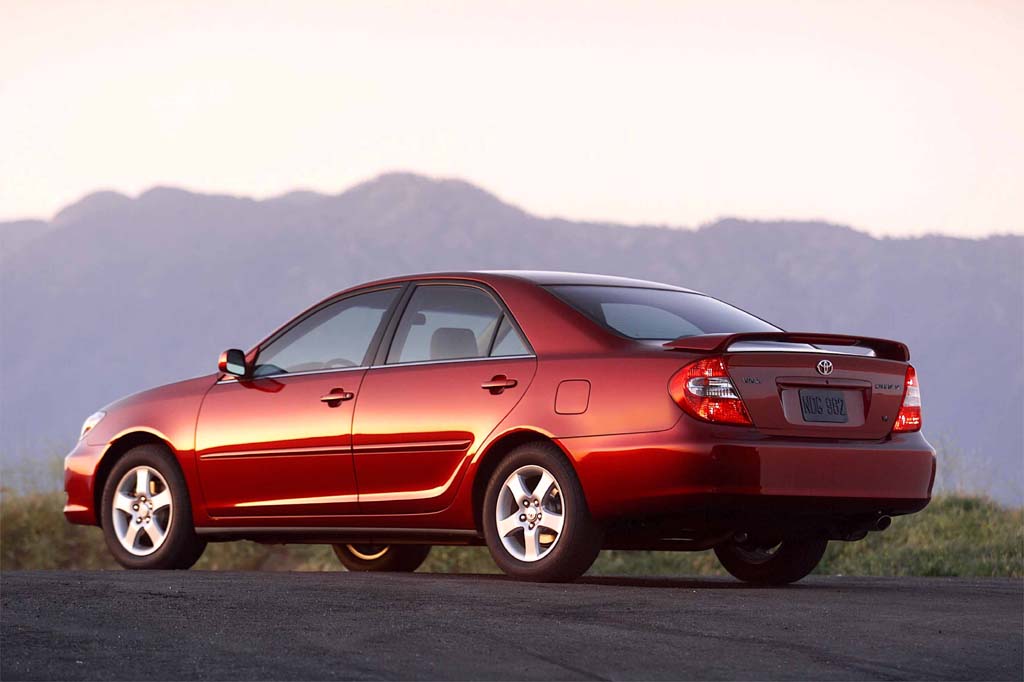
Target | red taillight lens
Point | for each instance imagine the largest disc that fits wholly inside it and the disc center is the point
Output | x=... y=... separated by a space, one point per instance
x=705 y=391
x=909 y=417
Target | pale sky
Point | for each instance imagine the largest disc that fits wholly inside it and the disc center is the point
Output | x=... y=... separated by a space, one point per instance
x=895 y=118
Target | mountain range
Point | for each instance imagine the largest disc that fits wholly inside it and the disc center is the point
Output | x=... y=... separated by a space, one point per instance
x=116 y=294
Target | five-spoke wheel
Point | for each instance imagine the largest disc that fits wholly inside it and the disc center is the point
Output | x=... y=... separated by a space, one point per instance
x=142 y=510
x=530 y=512
x=146 y=513
x=535 y=517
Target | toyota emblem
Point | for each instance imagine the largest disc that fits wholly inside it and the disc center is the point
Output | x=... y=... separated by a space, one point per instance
x=825 y=367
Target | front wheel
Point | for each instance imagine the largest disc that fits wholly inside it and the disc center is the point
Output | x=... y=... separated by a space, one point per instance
x=146 y=512
x=382 y=558
x=535 y=517
x=769 y=563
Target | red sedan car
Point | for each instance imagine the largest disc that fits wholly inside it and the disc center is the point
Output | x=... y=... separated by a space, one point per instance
x=548 y=415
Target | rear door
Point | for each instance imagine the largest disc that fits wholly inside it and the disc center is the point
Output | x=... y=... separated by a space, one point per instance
x=279 y=443
x=850 y=396
x=456 y=366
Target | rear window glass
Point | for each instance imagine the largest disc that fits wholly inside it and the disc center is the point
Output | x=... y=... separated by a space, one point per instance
x=658 y=314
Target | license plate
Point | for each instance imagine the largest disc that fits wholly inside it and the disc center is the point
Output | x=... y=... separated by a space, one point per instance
x=823 y=406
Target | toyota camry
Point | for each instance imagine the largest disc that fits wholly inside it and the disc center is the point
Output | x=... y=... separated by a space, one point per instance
x=547 y=415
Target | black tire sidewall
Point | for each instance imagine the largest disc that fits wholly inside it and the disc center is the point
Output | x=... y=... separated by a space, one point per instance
x=794 y=560
x=183 y=547
x=580 y=540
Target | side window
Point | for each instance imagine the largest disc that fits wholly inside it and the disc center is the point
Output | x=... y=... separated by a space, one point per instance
x=445 y=322
x=508 y=341
x=334 y=337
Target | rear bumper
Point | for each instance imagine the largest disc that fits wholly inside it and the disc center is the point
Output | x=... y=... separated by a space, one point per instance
x=722 y=469
x=79 y=478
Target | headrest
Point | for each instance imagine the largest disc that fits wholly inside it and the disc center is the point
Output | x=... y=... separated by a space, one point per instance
x=449 y=343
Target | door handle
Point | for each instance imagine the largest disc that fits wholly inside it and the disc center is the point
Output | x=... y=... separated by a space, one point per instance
x=334 y=398
x=498 y=383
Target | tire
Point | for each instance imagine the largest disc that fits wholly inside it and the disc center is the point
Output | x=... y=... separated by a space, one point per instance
x=382 y=558
x=790 y=561
x=167 y=507
x=557 y=555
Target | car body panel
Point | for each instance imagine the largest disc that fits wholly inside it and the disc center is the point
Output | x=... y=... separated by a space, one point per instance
x=628 y=394
x=165 y=414
x=666 y=471
x=271 y=446
x=166 y=411
x=80 y=468
x=417 y=426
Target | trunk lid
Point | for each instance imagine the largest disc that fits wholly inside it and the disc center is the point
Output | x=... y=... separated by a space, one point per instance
x=785 y=394
x=777 y=376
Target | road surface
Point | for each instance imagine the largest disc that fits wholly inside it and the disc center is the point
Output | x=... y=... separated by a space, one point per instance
x=205 y=625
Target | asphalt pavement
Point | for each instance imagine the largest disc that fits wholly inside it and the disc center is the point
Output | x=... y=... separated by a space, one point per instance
x=283 y=626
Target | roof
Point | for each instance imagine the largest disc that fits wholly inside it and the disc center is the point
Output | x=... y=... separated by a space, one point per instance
x=551 y=277
x=539 y=277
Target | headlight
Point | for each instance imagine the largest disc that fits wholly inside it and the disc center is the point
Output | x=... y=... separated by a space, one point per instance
x=90 y=423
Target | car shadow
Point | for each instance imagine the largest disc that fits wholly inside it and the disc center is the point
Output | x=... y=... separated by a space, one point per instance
x=682 y=583
x=645 y=582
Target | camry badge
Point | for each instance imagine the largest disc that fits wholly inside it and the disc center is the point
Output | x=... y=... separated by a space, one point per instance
x=824 y=367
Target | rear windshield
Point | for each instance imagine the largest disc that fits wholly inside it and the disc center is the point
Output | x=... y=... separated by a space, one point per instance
x=658 y=314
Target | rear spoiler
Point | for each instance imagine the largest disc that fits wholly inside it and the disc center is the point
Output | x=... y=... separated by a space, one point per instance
x=719 y=343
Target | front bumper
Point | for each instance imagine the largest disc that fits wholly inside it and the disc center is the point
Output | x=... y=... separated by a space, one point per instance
x=696 y=466
x=79 y=479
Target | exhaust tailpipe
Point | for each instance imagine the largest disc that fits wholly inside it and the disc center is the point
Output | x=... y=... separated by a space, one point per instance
x=883 y=522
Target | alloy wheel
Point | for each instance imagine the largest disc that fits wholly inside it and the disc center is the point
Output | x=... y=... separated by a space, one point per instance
x=368 y=552
x=530 y=513
x=142 y=510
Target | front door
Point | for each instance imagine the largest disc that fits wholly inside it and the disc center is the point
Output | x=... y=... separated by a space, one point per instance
x=456 y=367
x=279 y=443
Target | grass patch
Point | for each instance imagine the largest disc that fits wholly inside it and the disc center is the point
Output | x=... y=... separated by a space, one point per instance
x=955 y=536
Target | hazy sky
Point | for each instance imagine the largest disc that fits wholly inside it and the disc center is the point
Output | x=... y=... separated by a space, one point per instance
x=896 y=118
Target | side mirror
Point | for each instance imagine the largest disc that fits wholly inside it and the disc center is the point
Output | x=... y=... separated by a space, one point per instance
x=232 y=361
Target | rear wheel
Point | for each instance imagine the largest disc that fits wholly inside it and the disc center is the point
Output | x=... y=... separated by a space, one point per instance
x=146 y=513
x=771 y=563
x=535 y=517
x=384 y=558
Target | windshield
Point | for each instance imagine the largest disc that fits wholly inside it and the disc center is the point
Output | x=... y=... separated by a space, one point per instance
x=658 y=314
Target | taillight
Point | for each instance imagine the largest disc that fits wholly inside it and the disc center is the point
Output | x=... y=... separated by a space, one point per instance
x=704 y=390
x=909 y=417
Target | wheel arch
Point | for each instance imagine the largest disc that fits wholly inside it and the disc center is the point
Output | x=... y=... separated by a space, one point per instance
x=492 y=457
x=118 y=447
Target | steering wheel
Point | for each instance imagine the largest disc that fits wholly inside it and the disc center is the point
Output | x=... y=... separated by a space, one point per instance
x=334 y=363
